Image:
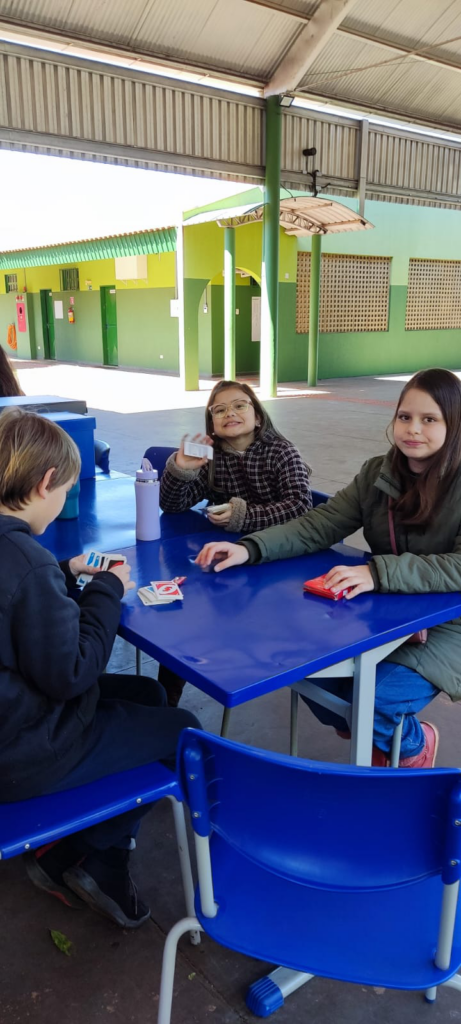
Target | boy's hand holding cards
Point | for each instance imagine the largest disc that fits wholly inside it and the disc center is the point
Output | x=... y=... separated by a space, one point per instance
x=97 y=560
x=162 y=592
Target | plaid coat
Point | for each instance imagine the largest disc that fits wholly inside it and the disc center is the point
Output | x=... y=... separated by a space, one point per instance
x=266 y=484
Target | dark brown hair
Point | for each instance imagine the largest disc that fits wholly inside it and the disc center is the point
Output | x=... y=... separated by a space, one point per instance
x=30 y=445
x=423 y=494
x=265 y=422
x=9 y=386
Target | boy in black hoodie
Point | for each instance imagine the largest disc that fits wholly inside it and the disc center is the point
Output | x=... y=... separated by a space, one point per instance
x=63 y=723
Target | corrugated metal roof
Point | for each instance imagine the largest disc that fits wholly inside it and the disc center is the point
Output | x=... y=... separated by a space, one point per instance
x=249 y=40
x=409 y=88
x=133 y=244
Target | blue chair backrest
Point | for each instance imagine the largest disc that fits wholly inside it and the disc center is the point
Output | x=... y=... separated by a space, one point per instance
x=321 y=824
x=318 y=497
x=158 y=457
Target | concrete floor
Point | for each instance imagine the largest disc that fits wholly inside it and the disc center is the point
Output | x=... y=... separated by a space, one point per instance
x=113 y=975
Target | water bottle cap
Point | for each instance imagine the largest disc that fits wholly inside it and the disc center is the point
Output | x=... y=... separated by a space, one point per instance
x=146 y=474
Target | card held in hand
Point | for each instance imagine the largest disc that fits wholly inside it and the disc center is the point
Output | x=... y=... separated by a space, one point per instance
x=316 y=586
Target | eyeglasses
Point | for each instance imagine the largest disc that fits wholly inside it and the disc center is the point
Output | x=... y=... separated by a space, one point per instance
x=240 y=405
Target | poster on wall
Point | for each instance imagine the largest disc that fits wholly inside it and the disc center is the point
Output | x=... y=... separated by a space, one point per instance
x=58 y=310
x=21 y=314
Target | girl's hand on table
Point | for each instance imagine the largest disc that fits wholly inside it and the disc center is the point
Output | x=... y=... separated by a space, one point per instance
x=234 y=554
x=190 y=461
x=357 y=577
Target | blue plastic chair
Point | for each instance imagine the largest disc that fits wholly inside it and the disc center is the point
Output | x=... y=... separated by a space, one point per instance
x=343 y=872
x=101 y=455
x=28 y=824
x=158 y=457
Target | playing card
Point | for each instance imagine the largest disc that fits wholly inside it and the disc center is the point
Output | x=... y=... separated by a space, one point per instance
x=101 y=562
x=316 y=586
x=94 y=558
x=199 y=451
x=166 y=590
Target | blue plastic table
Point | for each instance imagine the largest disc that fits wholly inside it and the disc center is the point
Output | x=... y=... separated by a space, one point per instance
x=107 y=519
x=249 y=630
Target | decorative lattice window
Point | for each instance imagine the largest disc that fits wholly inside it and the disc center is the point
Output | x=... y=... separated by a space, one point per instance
x=69 y=279
x=11 y=282
x=434 y=295
x=354 y=293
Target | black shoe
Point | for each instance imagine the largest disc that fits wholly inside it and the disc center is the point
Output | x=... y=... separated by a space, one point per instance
x=108 y=888
x=45 y=868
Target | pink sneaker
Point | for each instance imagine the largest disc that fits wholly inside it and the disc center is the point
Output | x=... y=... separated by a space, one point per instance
x=426 y=757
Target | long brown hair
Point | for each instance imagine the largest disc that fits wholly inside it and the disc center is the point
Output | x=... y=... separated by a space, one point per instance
x=265 y=422
x=423 y=494
x=9 y=386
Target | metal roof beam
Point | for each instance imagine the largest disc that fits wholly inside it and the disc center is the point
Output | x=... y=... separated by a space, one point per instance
x=311 y=40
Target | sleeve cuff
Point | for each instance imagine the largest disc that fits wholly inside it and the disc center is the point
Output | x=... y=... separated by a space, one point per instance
x=111 y=580
x=253 y=550
x=238 y=514
x=180 y=474
x=374 y=574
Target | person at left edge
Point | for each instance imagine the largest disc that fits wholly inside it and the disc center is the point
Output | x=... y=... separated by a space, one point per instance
x=62 y=722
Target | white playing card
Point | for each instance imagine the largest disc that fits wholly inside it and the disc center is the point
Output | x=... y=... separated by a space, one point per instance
x=99 y=561
x=199 y=451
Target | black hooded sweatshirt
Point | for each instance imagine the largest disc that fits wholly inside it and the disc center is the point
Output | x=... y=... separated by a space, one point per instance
x=52 y=652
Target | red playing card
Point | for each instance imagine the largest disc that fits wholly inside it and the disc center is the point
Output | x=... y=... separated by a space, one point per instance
x=166 y=589
x=316 y=586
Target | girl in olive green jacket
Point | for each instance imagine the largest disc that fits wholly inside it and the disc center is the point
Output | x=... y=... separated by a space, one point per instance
x=414 y=494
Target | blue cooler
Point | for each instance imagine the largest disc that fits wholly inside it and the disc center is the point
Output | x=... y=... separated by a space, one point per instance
x=81 y=430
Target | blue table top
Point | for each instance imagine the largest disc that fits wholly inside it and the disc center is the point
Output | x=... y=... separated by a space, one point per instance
x=249 y=630
x=107 y=519
x=246 y=631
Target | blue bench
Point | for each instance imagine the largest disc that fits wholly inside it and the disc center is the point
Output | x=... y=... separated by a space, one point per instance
x=28 y=824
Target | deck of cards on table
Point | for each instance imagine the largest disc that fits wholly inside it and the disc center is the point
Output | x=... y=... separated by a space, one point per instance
x=101 y=562
x=162 y=591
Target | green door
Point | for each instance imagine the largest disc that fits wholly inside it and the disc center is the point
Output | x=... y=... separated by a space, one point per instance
x=109 y=325
x=46 y=302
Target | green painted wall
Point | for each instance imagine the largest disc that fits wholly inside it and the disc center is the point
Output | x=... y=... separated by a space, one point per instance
x=80 y=342
x=146 y=331
x=211 y=330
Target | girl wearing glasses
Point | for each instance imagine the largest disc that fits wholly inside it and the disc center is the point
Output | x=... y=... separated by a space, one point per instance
x=255 y=473
x=409 y=505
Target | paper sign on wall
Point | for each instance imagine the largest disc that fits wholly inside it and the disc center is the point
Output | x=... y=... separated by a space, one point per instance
x=58 y=310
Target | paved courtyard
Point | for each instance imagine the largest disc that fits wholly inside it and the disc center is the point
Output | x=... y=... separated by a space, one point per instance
x=113 y=975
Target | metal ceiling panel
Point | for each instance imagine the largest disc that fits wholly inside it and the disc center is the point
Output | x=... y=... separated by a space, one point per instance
x=409 y=23
x=353 y=71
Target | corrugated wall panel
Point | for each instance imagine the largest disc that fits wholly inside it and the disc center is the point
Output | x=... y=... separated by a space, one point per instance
x=94 y=103
x=95 y=112
x=414 y=164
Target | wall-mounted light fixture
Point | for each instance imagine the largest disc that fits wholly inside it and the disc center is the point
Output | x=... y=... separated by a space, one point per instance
x=286 y=100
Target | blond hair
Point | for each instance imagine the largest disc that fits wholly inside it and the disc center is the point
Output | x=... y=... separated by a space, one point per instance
x=30 y=445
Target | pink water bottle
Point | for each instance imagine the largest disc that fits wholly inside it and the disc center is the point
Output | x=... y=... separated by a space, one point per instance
x=147 y=489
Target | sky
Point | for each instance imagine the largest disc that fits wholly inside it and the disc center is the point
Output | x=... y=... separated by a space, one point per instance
x=53 y=199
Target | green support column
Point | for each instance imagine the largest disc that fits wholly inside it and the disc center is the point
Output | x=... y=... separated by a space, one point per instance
x=229 y=303
x=314 y=311
x=270 y=264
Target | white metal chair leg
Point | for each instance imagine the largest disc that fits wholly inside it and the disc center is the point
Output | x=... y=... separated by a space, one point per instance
x=396 y=742
x=454 y=982
x=185 y=864
x=187 y=924
x=294 y=723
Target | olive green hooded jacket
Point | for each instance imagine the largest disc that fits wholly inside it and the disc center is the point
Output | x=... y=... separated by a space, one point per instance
x=429 y=558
